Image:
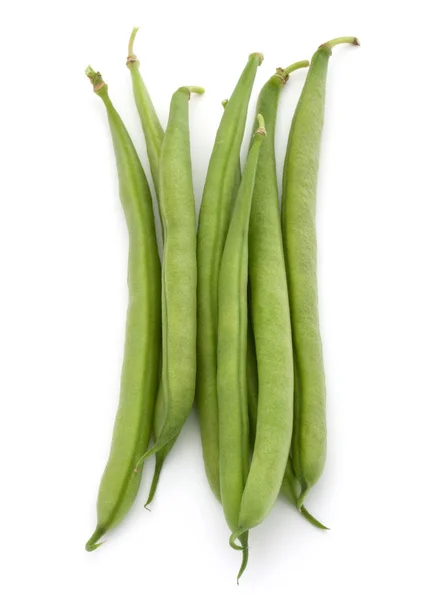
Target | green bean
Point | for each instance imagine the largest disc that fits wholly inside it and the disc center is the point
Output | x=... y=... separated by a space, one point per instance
x=140 y=370
x=154 y=134
x=232 y=348
x=300 y=247
x=271 y=325
x=151 y=126
x=177 y=205
x=219 y=191
x=288 y=487
x=269 y=291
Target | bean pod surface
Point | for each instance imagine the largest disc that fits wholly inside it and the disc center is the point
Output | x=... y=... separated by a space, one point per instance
x=177 y=206
x=232 y=348
x=269 y=303
x=300 y=245
x=219 y=192
x=140 y=369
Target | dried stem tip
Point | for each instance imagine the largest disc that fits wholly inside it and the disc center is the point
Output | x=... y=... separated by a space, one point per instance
x=95 y=77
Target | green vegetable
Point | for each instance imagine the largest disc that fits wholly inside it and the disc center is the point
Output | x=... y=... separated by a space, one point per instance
x=300 y=248
x=140 y=370
x=232 y=348
x=219 y=191
x=177 y=205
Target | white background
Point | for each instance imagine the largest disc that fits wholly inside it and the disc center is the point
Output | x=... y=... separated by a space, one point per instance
x=63 y=246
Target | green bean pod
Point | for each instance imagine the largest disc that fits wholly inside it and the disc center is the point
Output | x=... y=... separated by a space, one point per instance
x=219 y=191
x=300 y=247
x=271 y=323
x=151 y=126
x=140 y=369
x=290 y=484
x=232 y=348
x=153 y=134
x=177 y=207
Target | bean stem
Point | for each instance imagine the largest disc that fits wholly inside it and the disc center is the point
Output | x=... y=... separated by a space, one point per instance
x=193 y=89
x=261 y=125
x=340 y=40
x=312 y=520
x=301 y=64
x=131 y=43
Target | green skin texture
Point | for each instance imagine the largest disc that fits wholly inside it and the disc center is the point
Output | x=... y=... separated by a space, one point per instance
x=219 y=191
x=300 y=247
x=151 y=126
x=289 y=485
x=154 y=135
x=232 y=350
x=271 y=328
x=140 y=369
x=177 y=207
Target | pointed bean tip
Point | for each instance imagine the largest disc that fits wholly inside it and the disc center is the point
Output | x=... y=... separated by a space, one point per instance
x=93 y=543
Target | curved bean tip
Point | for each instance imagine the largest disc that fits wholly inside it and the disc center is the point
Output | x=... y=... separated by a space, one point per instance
x=92 y=547
x=302 y=496
x=93 y=543
x=233 y=539
x=243 y=564
x=311 y=519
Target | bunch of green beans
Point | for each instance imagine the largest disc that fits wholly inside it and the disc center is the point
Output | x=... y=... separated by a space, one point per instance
x=228 y=315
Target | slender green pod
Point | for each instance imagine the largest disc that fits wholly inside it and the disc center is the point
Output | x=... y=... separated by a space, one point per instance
x=219 y=191
x=140 y=369
x=161 y=454
x=177 y=207
x=232 y=348
x=271 y=323
x=290 y=484
x=300 y=246
x=154 y=134
x=151 y=126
